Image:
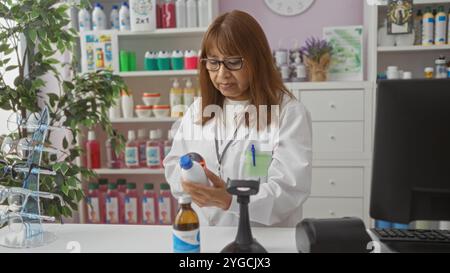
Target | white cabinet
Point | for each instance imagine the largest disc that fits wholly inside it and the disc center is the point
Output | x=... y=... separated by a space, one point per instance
x=341 y=115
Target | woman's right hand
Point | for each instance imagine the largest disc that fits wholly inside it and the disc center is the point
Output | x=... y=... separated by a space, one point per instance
x=207 y=196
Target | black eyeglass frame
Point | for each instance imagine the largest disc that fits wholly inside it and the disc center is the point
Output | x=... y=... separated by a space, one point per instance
x=204 y=60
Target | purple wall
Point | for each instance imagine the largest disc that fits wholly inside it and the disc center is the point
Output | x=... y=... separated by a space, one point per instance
x=323 y=13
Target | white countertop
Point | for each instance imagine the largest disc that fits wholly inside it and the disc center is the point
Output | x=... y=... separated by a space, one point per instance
x=152 y=239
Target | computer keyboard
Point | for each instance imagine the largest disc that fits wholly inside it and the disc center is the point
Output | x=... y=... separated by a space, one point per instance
x=412 y=235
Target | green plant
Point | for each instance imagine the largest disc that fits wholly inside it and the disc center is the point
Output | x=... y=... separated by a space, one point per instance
x=41 y=27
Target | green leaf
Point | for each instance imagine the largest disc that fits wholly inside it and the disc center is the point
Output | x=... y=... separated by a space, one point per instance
x=72 y=181
x=65 y=189
x=65 y=143
x=56 y=166
x=64 y=168
x=11 y=67
x=32 y=34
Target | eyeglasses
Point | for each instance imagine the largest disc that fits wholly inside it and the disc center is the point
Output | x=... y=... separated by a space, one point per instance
x=232 y=64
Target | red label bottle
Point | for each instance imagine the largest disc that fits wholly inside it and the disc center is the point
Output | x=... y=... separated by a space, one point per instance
x=92 y=152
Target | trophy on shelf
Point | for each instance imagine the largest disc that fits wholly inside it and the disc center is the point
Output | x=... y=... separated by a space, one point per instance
x=20 y=207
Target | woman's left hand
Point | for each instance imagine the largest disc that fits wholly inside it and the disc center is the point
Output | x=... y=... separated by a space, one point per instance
x=207 y=196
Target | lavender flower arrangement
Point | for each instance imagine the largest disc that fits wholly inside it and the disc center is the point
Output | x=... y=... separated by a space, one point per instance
x=316 y=48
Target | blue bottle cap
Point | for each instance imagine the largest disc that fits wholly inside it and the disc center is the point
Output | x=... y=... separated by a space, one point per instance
x=185 y=162
x=115 y=7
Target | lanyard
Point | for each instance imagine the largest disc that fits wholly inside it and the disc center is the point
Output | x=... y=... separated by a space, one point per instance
x=220 y=157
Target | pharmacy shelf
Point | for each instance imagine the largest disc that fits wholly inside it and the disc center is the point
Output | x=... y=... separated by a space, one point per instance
x=169 y=32
x=128 y=171
x=168 y=73
x=412 y=48
x=144 y=120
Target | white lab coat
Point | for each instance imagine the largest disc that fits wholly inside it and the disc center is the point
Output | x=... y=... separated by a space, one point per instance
x=288 y=182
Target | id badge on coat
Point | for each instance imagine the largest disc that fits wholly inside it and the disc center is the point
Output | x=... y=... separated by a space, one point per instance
x=258 y=165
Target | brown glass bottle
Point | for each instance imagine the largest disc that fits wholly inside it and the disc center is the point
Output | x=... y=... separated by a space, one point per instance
x=186 y=232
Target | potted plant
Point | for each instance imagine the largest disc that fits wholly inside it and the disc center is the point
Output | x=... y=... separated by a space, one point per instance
x=33 y=32
x=317 y=54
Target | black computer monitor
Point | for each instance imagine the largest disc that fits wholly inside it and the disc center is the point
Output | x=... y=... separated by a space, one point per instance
x=411 y=158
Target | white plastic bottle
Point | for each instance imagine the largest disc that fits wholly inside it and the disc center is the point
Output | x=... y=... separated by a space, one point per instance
x=124 y=16
x=127 y=105
x=441 y=27
x=192 y=171
x=428 y=28
x=98 y=18
x=203 y=17
x=84 y=20
x=143 y=15
x=188 y=94
x=176 y=100
x=191 y=12
x=180 y=10
x=114 y=18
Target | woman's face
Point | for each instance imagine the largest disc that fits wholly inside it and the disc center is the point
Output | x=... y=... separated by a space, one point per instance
x=232 y=84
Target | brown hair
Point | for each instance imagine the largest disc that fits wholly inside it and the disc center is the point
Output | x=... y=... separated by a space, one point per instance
x=237 y=33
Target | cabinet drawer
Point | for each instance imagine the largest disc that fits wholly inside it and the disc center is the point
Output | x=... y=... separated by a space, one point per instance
x=337 y=182
x=334 y=105
x=338 y=137
x=333 y=207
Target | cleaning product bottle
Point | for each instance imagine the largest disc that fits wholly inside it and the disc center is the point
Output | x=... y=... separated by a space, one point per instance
x=150 y=61
x=164 y=205
x=440 y=37
x=191 y=60
x=113 y=157
x=114 y=18
x=188 y=94
x=192 y=171
x=98 y=18
x=142 y=15
x=93 y=200
x=300 y=70
x=154 y=151
x=168 y=143
x=177 y=60
x=112 y=205
x=186 y=231
x=180 y=8
x=92 y=151
x=191 y=13
x=428 y=28
x=132 y=151
x=103 y=185
x=418 y=21
x=176 y=100
x=124 y=17
x=132 y=205
x=149 y=205
x=169 y=17
x=203 y=14
x=127 y=105
x=121 y=191
x=142 y=141
x=159 y=13
x=84 y=20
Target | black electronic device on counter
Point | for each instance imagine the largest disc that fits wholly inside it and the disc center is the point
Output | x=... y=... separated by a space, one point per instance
x=341 y=235
x=244 y=242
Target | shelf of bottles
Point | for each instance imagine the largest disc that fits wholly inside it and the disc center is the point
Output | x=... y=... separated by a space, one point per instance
x=123 y=202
